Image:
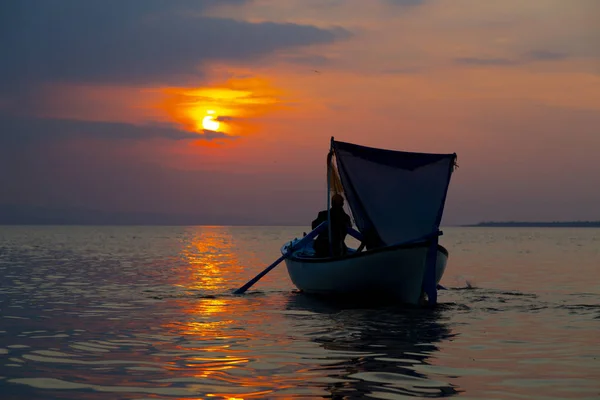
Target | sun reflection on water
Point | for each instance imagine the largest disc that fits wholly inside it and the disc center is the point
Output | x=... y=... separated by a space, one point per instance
x=210 y=258
x=213 y=324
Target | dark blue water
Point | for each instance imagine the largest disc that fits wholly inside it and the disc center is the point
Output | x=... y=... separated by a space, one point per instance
x=147 y=313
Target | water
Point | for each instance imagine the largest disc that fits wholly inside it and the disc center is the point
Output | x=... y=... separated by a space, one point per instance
x=147 y=313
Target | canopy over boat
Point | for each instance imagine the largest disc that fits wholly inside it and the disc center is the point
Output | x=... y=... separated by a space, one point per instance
x=394 y=196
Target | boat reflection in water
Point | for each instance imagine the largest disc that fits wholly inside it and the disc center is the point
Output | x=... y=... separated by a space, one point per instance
x=281 y=344
x=389 y=352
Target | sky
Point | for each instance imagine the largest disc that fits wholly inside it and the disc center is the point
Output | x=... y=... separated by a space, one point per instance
x=222 y=111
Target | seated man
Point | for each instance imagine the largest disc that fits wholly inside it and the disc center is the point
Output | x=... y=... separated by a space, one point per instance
x=340 y=222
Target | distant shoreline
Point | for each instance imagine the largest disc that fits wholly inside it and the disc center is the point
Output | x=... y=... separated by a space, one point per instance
x=526 y=224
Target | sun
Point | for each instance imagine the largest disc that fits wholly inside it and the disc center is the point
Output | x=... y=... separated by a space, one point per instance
x=209 y=123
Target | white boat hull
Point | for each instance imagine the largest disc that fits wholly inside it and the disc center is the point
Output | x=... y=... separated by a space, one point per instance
x=395 y=272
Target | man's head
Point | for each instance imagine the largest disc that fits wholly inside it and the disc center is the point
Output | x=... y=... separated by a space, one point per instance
x=337 y=200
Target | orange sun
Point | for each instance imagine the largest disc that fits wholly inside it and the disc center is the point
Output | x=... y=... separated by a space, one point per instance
x=209 y=122
x=228 y=107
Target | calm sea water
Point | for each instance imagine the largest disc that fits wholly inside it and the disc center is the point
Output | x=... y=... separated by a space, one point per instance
x=147 y=313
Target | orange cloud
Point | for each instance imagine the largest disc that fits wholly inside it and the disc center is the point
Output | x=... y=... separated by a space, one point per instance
x=228 y=107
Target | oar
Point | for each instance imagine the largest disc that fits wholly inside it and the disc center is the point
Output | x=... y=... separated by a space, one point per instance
x=301 y=243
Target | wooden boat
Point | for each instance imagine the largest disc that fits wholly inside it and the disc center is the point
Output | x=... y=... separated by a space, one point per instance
x=398 y=197
x=394 y=272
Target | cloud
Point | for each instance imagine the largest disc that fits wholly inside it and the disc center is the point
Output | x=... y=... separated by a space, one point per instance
x=545 y=55
x=134 y=42
x=225 y=118
x=484 y=61
x=403 y=71
x=207 y=134
x=531 y=56
x=405 y=3
x=18 y=131
x=312 y=60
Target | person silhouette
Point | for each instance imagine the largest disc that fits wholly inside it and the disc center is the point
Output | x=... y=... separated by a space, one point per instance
x=340 y=222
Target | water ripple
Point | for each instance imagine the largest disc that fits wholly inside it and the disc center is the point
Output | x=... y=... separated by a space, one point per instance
x=148 y=313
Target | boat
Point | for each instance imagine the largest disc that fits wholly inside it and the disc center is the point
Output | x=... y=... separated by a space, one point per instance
x=396 y=199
